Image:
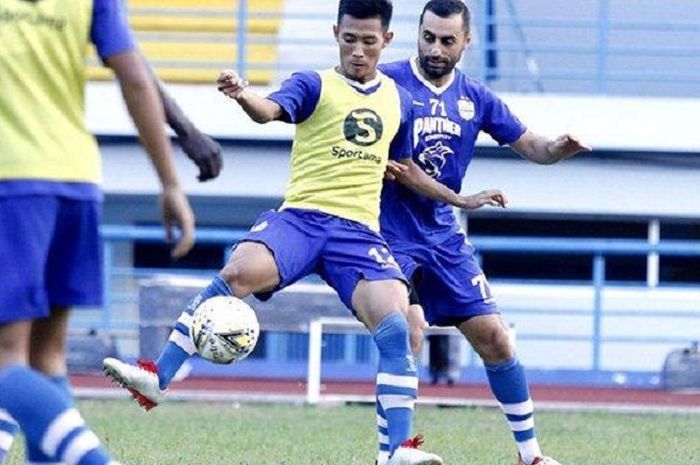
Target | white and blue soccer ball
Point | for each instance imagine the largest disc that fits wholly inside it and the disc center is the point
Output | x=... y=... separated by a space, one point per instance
x=224 y=329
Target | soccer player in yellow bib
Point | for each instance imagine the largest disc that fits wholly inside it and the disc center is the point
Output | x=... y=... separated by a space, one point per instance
x=50 y=205
x=350 y=120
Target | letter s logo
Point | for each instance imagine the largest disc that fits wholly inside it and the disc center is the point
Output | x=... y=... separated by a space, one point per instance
x=363 y=127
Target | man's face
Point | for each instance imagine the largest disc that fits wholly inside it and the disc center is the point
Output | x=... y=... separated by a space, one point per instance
x=441 y=42
x=361 y=42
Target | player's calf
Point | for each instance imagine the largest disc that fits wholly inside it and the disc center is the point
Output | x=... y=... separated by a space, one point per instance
x=417 y=325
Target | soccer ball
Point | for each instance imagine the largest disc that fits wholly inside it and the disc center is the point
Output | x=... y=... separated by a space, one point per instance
x=224 y=329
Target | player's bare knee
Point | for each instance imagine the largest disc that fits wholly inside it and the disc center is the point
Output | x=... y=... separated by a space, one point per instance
x=495 y=346
x=375 y=300
x=397 y=298
x=235 y=276
x=251 y=268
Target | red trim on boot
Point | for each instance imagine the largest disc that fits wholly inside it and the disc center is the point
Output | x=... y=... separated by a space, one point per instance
x=413 y=443
x=143 y=401
x=148 y=365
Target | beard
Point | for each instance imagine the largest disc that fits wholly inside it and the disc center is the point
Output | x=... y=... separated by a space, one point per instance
x=444 y=68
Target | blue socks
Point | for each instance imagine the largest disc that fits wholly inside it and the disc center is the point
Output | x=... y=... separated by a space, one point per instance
x=382 y=436
x=44 y=413
x=509 y=385
x=397 y=382
x=8 y=430
x=180 y=347
x=34 y=454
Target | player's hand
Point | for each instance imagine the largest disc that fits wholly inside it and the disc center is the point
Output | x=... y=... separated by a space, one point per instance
x=567 y=146
x=491 y=197
x=394 y=169
x=204 y=151
x=178 y=220
x=231 y=84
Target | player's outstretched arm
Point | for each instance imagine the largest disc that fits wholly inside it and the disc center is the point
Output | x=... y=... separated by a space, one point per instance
x=199 y=147
x=412 y=176
x=545 y=151
x=489 y=197
x=146 y=110
x=260 y=109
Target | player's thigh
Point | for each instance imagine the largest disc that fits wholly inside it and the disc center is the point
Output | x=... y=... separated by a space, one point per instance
x=26 y=231
x=281 y=248
x=373 y=301
x=74 y=262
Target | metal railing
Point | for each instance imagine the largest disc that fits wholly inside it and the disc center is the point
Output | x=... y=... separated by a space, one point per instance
x=597 y=249
x=517 y=49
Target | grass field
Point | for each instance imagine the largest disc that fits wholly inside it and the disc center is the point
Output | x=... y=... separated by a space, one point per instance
x=206 y=434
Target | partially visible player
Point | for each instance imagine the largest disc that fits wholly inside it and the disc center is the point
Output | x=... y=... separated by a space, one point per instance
x=349 y=121
x=50 y=206
x=450 y=109
x=204 y=151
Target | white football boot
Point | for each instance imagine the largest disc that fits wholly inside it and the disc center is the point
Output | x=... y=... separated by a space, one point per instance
x=409 y=453
x=544 y=460
x=140 y=380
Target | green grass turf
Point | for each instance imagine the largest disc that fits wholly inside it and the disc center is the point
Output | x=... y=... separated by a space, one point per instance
x=206 y=434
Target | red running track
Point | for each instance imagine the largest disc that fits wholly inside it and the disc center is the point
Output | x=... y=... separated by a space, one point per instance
x=591 y=395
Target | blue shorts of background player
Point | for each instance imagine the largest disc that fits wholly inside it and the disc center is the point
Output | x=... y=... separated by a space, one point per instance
x=50 y=255
x=447 y=279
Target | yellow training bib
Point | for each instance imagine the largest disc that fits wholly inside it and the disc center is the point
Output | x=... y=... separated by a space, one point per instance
x=341 y=151
x=42 y=79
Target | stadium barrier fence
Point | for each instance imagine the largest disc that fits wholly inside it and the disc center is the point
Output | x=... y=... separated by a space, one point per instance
x=119 y=316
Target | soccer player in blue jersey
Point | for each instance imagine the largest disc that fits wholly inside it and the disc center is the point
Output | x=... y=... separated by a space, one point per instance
x=50 y=205
x=450 y=109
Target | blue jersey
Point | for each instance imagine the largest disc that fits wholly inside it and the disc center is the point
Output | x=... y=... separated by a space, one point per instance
x=446 y=123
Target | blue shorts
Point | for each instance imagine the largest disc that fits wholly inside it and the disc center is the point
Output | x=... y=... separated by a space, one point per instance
x=50 y=255
x=448 y=280
x=341 y=251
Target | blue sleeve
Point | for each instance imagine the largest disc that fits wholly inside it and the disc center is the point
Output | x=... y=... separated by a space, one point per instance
x=298 y=96
x=402 y=144
x=393 y=70
x=498 y=121
x=110 y=31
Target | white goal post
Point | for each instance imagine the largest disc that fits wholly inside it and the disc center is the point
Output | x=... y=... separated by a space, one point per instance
x=313 y=375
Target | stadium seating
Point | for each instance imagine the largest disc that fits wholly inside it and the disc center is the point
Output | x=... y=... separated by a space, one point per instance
x=189 y=41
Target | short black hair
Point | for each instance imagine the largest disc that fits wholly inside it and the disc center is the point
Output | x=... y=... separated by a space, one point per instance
x=447 y=8
x=365 y=9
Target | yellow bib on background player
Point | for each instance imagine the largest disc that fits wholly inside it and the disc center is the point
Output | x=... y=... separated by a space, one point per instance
x=29 y=148
x=341 y=151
